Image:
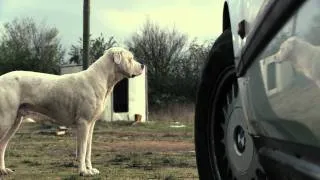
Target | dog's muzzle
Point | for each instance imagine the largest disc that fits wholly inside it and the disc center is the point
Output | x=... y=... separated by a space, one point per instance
x=142 y=67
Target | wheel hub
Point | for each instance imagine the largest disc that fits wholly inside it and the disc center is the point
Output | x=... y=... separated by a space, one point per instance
x=238 y=142
x=235 y=154
x=240 y=139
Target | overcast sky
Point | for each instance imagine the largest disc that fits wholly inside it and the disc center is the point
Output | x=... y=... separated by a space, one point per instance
x=119 y=18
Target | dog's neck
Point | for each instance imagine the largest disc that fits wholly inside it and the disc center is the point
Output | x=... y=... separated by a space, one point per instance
x=308 y=48
x=102 y=74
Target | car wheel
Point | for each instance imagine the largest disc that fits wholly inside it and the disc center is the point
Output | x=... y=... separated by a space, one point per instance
x=224 y=149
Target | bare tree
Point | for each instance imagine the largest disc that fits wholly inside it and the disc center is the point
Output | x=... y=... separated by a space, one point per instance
x=157 y=48
x=187 y=70
x=76 y=55
x=96 y=49
x=99 y=45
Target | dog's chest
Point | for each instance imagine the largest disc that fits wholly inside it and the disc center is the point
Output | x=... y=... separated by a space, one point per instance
x=104 y=104
x=100 y=107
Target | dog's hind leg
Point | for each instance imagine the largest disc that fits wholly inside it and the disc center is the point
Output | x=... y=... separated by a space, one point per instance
x=4 y=142
x=88 y=154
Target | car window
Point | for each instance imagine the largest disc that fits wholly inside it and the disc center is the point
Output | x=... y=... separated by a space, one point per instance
x=290 y=65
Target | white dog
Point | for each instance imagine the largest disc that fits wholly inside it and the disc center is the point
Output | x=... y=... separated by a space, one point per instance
x=73 y=99
x=304 y=56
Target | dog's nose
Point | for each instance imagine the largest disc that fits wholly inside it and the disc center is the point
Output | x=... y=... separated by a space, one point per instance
x=142 y=66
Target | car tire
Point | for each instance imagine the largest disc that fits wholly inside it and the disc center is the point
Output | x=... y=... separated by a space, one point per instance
x=224 y=149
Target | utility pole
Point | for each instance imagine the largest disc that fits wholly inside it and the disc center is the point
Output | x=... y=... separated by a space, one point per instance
x=294 y=24
x=86 y=32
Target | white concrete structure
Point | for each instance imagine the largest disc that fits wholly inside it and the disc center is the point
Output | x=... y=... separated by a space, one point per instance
x=276 y=76
x=136 y=100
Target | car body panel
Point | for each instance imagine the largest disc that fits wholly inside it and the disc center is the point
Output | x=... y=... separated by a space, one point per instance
x=236 y=15
x=279 y=83
x=289 y=109
x=269 y=104
x=243 y=10
x=262 y=103
x=265 y=101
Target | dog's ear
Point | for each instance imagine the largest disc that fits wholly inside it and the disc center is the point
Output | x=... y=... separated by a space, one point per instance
x=117 y=57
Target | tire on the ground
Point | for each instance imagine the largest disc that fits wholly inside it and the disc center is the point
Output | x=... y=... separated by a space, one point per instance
x=221 y=57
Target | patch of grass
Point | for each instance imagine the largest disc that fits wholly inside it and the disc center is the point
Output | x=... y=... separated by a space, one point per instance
x=72 y=177
x=31 y=163
x=119 y=158
x=69 y=164
x=120 y=151
x=26 y=161
x=136 y=161
x=173 y=161
x=167 y=160
x=170 y=177
x=13 y=153
x=148 y=153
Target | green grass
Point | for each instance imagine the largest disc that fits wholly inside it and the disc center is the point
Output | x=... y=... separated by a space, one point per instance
x=120 y=151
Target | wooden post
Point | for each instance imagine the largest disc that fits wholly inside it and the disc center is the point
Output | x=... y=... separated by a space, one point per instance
x=86 y=32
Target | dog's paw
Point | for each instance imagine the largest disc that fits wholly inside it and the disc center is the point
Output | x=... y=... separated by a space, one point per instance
x=6 y=171
x=85 y=173
x=94 y=171
x=89 y=172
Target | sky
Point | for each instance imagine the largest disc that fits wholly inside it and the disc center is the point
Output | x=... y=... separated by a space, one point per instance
x=119 y=18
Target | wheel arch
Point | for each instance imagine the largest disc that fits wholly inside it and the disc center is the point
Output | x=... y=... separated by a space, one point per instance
x=226 y=23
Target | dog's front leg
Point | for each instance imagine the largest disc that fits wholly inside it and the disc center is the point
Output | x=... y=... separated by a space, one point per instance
x=82 y=139
x=88 y=154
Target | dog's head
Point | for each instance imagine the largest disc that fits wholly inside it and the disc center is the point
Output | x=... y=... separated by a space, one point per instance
x=287 y=49
x=124 y=62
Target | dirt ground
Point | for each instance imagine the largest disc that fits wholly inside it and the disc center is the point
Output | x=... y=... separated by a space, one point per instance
x=152 y=150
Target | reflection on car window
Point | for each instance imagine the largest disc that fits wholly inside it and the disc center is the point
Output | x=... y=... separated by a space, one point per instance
x=271 y=79
x=290 y=68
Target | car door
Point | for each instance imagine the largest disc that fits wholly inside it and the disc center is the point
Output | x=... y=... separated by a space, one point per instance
x=243 y=11
x=280 y=78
